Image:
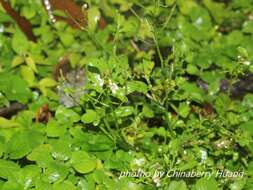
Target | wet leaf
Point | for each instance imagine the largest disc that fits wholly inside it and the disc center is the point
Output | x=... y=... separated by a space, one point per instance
x=83 y=162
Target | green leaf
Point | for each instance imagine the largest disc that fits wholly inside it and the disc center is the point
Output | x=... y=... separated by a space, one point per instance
x=238 y=184
x=202 y=60
x=31 y=63
x=18 y=60
x=23 y=142
x=247 y=126
x=82 y=162
x=61 y=149
x=248 y=27
x=217 y=10
x=67 y=39
x=84 y=184
x=65 y=185
x=90 y=141
x=5 y=123
x=27 y=175
x=90 y=116
x=248 y=101
x=65 y=115
x=28 y=12
x=192 y=69
x=148 y=67
x=55 y=129
x=145 y=30
x=147 y=111
x=93 y=18
x=130 y=26
x=41 y=185
x=243 y=52
x=124 y=111
x=206 y=184
x=55 y=172
x=8 y=169
x=47 y=82
x=184 y=110
x=20 y=43
x=41 y=155
x=137 y=86
x=177 y=185
x=193 y=92
x=14 y=87
x=5 y=17
x=12 y=185
x=124 y=5
x=169 y=2
x=2 y=148
x=186 y=6
x=98 y=143
x=28 y=75
x=74 y=59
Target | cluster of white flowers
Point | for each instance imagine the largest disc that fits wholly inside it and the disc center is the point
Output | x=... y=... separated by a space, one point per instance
x=49 y=10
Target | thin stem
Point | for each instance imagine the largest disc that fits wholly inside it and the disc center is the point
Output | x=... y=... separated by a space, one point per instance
x=106 y=132
x=156 y=43
x=170 y=16
x=172 y=64
x=97 y=101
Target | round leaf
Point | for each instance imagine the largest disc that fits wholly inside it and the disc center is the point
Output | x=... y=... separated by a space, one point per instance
x=82 y=162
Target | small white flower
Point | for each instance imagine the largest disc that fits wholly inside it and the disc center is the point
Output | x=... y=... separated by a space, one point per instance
x=140 y=162
x=113 y=86
x=203 y=155
x=47 y=3
x=99 y=80
x=96 y=18
x=49 y=10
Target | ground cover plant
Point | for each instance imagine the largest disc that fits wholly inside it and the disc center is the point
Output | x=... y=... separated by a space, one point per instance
x=109 y=99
